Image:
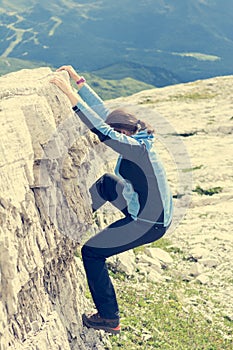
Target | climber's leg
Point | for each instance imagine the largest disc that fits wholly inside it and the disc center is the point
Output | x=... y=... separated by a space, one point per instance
x=118 y=237
x=108 y=188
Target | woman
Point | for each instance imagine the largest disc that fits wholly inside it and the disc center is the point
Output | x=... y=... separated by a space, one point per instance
x=139 y=189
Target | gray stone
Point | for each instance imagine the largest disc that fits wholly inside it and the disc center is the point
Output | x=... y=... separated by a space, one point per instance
x=154 y=276
x=209 y=262
x=142 y=268
x=199 y=253
x=203 y=279
x=159 y=254
x=124 y=262
x=150 y=262
x=196 y=270
x=229 y=316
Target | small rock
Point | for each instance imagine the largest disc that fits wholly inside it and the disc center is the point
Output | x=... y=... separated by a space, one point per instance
x=146 y=337
x=196 y=270
x=35 y=326
x=199 y=252
x=186 y=277
x=157 y=253
x=229 y=317
x=143 y=269
x=152 y=263
x=185 y=310
x=124 y=262
x=209 y=262
x=167 y=278
x=154 y=276
x=203 y=279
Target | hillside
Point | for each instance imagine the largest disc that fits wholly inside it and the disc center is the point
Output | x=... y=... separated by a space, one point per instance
x=187 y=40
x=107 y=88
x=194 y=127
x=155 y=76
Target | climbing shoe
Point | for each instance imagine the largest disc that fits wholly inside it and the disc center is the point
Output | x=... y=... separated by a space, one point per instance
x=97 y=322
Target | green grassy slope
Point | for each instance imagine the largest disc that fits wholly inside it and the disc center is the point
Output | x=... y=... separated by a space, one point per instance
x=106 y=88
x=8 y=65
x=153 y=75
x=112 y=88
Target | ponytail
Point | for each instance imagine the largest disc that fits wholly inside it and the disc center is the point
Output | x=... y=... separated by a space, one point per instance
x=120 y=119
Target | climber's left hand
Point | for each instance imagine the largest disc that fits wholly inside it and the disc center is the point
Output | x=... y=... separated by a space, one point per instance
x=62 y=84
x=65 y=86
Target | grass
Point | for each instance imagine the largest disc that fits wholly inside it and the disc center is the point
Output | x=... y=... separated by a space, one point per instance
x=152 y=75
x=168 y=315
x=162 y=243
x=113 y=88
x=189 y=96
x=208 y=192
x=155 y=317
x=194 y=96
x=9 y=64
x=187 y=170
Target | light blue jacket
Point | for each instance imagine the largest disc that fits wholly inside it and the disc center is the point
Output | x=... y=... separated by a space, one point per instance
x=146 y=189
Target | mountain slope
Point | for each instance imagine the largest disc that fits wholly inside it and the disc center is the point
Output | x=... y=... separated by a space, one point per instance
x=153 y=75
x=109 y=88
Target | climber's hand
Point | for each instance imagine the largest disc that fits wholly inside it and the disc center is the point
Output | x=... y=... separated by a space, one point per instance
x=62 y=84
x=65 y=86
x=72 y=73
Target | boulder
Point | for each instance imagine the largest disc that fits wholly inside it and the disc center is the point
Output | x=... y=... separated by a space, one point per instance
x=149 y=263
x=159 y=254
x=124 y=262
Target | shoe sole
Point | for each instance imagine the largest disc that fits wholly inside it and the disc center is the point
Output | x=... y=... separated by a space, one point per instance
x=106 y=329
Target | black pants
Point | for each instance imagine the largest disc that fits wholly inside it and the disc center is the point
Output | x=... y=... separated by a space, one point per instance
x=120 y=236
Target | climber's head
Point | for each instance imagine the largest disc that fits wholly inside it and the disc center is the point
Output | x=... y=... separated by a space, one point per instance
x=126 y=123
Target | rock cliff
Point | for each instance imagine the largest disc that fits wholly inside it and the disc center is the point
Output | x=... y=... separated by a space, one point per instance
x=45 y=170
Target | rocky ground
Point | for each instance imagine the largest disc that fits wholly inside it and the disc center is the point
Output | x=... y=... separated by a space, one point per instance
x=200 y=115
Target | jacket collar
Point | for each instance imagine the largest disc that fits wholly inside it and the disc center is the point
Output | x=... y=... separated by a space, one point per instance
x=143 y=137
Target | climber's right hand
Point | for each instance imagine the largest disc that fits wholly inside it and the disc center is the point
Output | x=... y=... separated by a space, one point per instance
x=71 y=71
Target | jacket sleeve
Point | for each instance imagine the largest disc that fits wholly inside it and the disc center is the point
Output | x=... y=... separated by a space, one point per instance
x=122 y=144
x=94 y=101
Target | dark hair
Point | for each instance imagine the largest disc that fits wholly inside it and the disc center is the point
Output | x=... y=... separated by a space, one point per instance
x=120 y=119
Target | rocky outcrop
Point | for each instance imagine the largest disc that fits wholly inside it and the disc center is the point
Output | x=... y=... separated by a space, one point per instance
x=45 y=171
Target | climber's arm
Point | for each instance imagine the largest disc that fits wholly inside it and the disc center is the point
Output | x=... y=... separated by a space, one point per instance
x=117 y=141
x=87 y=93
x=66 y=88
x=94 y=101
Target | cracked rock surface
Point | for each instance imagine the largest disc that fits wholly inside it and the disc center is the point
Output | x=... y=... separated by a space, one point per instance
x=44 y=212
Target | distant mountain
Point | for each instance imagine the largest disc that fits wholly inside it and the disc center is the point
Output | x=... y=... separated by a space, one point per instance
x=10 y=64
x=184 y=40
